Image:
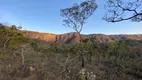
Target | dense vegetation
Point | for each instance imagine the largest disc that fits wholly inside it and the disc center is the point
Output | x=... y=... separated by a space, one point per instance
x=22 y=58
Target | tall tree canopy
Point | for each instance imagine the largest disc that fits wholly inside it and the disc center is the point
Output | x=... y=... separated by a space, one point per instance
x=77 y=15
x=120 y=10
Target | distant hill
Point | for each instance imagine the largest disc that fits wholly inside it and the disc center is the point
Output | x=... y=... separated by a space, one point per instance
x=108 y=38
x=73 y=37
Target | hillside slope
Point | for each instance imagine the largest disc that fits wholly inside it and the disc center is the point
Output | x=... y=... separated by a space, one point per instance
x=73 y=37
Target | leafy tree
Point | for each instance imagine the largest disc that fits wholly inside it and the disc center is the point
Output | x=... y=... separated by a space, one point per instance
x=75 y=18
x=77 y=15
x=121 y=10
x=19 y=27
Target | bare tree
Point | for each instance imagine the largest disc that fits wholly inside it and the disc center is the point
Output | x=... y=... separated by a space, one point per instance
x=24 y=49
x=77 y=15
x=121 y=10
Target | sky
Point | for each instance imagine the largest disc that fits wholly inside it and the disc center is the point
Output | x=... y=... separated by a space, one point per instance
x=44 y=16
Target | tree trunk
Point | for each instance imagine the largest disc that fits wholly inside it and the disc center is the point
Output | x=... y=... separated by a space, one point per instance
x=22 y=55
x=5 y=44
x=81 y=53
x=80 y=39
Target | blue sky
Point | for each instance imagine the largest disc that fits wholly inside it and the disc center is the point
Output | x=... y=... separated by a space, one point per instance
x=44 y=16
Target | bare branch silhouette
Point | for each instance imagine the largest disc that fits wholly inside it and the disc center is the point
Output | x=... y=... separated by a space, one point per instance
x=121 y=10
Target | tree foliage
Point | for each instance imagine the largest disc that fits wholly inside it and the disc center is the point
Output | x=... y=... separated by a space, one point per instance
x=12 y=38
x=120 y=10
x=77 y=15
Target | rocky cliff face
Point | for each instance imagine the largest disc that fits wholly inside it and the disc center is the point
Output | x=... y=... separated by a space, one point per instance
x=67 y=38
x=50 y=38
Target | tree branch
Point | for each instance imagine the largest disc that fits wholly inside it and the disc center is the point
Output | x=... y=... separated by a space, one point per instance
x=126 y=18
